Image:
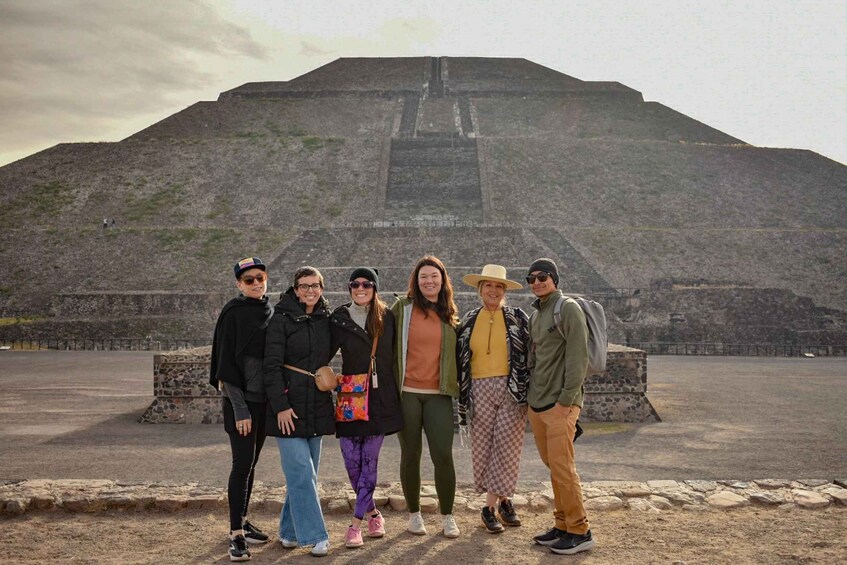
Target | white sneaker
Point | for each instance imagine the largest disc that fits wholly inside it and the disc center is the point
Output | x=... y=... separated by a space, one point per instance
x=416 y=524
x=451 y=529
x=321 y=548
x=287 y=543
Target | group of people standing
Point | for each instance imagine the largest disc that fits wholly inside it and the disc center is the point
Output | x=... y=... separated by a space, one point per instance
x=409 y=362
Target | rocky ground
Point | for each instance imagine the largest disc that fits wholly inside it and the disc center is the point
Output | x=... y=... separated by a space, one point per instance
x=747 y=535
x=767 y=521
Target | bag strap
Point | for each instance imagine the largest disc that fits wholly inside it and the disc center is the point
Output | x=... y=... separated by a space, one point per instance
x=298 y=370
x=372 y=365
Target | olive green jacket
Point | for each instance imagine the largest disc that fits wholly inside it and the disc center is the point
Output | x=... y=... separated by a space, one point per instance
x=447 y=384
x=558 y=363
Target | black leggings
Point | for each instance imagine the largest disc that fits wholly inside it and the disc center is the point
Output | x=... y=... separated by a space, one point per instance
x=245 y=455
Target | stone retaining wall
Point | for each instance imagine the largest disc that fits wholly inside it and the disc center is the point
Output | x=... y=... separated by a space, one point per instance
x=182 y=394
x=74 y=495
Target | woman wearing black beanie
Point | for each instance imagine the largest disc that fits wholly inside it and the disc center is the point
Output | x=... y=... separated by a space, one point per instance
x=355 y=327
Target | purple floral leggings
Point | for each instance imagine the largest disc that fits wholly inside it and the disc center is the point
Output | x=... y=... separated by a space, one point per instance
x=361 y=456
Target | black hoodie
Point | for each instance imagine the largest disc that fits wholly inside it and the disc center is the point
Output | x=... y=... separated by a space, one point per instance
x=303 y=341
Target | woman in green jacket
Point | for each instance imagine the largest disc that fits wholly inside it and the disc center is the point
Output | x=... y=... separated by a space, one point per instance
x=426 y=320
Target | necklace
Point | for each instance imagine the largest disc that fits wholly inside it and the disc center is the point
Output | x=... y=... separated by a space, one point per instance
x=491 y=314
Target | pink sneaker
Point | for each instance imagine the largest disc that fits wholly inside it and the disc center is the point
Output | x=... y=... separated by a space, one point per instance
x=376 y=526
x=353 y=537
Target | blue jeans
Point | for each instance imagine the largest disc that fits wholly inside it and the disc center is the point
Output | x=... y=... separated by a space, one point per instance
x=301 y=519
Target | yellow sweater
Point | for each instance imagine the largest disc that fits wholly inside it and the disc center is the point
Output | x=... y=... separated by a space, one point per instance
x=489 y=353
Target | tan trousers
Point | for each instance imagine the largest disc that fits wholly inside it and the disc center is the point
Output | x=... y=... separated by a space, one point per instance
x=554 y=439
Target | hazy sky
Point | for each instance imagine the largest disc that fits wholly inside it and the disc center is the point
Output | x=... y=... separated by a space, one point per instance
x=773 y=73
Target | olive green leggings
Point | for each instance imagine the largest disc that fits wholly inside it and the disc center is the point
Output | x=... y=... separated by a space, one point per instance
x=433 y=414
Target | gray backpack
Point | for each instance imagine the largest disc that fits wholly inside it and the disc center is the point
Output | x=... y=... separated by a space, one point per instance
x=598 y=338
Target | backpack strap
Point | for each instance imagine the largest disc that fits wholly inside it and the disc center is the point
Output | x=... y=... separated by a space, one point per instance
x=557 y=315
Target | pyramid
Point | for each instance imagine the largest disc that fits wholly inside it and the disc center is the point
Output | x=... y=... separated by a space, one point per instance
x=684 y=232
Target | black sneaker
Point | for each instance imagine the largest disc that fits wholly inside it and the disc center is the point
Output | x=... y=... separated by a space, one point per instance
x=489 y=520
x=507 y=513
x=254 y=535
x=550 y=536
x=238 y=549
x=573 y=543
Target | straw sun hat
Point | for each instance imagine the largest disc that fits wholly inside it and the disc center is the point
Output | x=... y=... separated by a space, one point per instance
x=496 y=273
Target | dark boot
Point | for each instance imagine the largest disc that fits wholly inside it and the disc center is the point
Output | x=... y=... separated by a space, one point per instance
x=507 y=513
x=489 y=520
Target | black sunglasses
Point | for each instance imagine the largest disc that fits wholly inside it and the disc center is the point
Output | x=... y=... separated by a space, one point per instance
x=249 y=280
x=542 y=277
x=353 y=285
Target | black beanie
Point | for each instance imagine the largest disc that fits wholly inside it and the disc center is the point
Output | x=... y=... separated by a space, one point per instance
x=366 y=273
x=546 y=265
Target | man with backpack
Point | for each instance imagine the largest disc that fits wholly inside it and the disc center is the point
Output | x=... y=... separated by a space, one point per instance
x=558 y=361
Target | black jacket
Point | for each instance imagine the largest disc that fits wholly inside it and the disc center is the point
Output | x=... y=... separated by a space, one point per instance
x=385 y=415
x=303 y=341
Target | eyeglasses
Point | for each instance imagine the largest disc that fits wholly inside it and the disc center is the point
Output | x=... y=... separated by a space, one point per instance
x=542 y=277
x=353 y=285
x=304 y=287
x=257 y=278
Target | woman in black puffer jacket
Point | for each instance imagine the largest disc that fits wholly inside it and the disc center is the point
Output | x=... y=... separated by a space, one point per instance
x=355 y=325
x=298 y=413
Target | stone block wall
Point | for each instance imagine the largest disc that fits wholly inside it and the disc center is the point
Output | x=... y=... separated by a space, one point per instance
x=181 y=390
x=620 y=393
x=182 y=394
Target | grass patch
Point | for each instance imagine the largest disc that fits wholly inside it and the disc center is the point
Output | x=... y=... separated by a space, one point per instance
x=141 y=208
x=5 y=291
x=312 y=142
x=252 y=135
x=51 y=198
x=43 y=200
x=217 y=242
x=221 y=207
x=173 y=240
x=291 y=130
x=18 y=320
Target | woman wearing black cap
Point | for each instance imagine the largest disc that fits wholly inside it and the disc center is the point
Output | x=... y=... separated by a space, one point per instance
x=355 y=327
x=238 y=348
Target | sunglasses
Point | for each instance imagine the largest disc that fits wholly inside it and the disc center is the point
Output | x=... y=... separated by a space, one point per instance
x=353 y=285
x=542 y=277
x=304 y=287
x=250 y=280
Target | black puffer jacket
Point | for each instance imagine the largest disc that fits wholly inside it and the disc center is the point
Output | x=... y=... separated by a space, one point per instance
x=385 y=416
x=301 y=340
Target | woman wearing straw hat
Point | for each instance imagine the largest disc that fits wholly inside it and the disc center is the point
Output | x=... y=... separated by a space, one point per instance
x=493 y=380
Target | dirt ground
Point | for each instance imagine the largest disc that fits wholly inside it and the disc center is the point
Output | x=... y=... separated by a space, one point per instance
x=742 y=536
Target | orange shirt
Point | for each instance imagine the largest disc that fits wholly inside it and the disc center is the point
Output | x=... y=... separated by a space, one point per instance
x=423 y=355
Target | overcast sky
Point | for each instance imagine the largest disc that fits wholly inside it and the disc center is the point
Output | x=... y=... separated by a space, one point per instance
x=773 y=73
